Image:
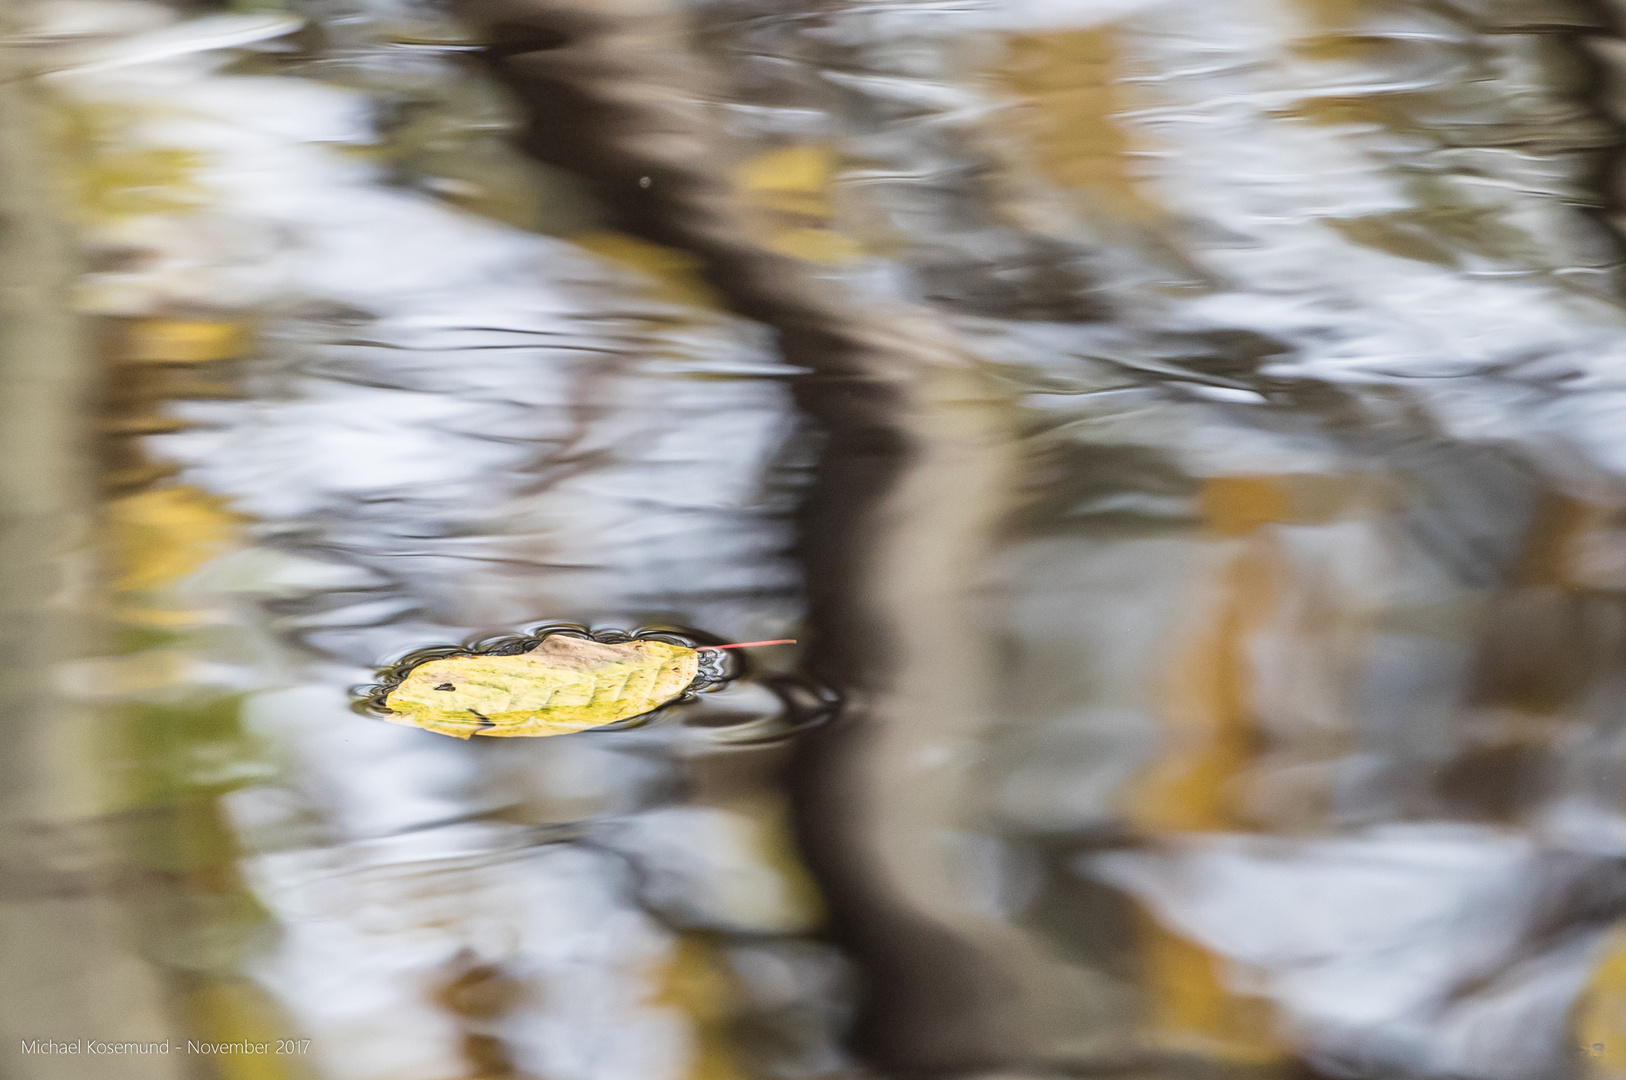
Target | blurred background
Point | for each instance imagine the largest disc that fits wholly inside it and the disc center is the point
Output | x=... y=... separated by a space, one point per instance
x=1186 y=437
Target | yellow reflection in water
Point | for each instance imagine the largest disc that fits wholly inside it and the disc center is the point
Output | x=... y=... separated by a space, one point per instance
x=1066 y=96
x=161 y=535
x=1213 y=738
x=697 y=981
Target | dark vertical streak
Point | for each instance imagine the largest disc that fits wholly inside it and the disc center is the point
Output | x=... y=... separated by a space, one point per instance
x=612 y=99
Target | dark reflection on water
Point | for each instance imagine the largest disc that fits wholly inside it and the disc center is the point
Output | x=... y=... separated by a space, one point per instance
x=1184 y=437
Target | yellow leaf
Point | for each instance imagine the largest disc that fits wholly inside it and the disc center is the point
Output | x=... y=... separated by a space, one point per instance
x=565 y=684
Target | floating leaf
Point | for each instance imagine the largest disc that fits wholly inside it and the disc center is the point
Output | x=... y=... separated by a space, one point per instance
x=564 y=684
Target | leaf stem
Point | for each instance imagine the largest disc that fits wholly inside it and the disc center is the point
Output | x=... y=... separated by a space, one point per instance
x=750 y=644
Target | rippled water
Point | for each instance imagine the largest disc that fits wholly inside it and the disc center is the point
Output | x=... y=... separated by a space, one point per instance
x=1184 y=438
